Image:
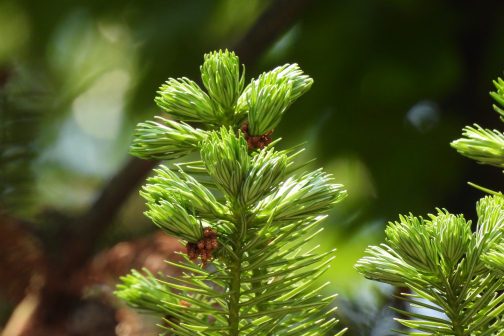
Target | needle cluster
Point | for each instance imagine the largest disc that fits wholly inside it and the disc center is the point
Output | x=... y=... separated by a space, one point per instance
x=239 y=208
x=449 y=268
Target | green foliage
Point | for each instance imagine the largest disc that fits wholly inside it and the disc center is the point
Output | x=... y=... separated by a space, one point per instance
x=154 y=141
x=494 y=260
x=144 y=292
x=260 y=282
x=174 y=219
x=19 y=129
x=484 y=145
x=310 y=194
x=263 y=102
x=268 y=97
x=442 y=261
x=266 y=106
x=226 y=159
x=499 y=95
x=185 y=100
x=186 y=190
x=221 y=76
x=267 y=170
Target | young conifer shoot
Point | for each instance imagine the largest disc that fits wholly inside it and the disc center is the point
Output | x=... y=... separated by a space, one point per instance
x=450 y=269
x=241 y=210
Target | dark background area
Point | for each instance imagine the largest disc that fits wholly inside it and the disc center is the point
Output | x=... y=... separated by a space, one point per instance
x=395 y=82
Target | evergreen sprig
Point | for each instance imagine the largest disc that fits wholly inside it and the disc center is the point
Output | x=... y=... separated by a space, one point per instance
x=499 y=95
x=443 y=262
x=309 y=195
x=221 y=76
x=226 y=160
x=155 y=141
x=484 y=145
x=239 y=206
x=144 y=292
x=186 y=190
x=262 y=97
x=184 y=99
x=459 y=272
x=494 y=259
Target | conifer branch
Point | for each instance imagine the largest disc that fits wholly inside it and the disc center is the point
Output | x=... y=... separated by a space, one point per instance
x=484 y=145
x=442 y=261
x=261 y=282
x=79 y=242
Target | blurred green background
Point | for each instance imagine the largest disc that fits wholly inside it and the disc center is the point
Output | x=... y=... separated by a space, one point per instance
x=395 y=82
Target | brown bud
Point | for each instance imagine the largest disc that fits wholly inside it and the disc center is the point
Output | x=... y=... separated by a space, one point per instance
x=208 y=244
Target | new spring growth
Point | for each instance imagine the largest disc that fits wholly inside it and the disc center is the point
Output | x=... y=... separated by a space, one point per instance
x=226 y=159
x=484 y=145
x=226 y=104
x=457 y=272
x=221 y=76
x=262 y=98
x=444 y=262
x=144 y=292
x=239 y=207
x=156 y=141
